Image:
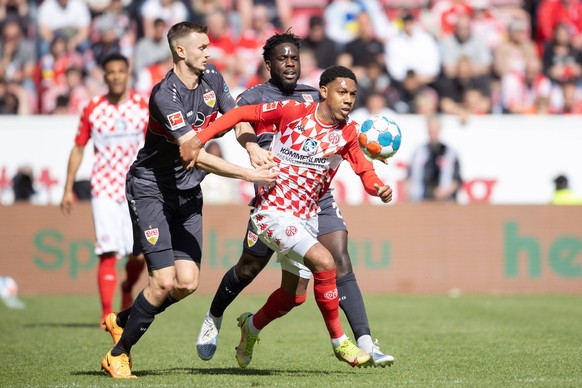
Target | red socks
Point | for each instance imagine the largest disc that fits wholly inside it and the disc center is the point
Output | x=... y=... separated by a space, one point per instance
x=133 y=270
x=279 y=303
x=107 y=281
x=326 y=297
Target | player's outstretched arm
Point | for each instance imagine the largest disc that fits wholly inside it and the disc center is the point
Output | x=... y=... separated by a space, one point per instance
x=262 y=176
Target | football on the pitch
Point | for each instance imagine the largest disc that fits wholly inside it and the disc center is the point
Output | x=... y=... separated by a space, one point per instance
x=379 y=137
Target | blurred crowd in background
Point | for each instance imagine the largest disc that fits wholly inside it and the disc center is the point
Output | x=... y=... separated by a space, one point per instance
x=461 y=57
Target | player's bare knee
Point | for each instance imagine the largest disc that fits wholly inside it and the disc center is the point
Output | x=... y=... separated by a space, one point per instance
x=186 y=288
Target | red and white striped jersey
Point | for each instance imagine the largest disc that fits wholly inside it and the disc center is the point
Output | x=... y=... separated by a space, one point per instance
x=307 y=152
x=118 y=132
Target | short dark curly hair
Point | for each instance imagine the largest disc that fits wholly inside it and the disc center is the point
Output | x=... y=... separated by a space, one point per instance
x=277 y=39
x=334 y=72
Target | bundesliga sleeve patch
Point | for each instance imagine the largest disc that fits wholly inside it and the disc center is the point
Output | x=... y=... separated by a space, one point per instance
x=176 y=120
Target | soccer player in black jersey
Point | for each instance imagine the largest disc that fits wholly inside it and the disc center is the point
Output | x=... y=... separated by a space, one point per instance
x=164 y=197
x=281 y=56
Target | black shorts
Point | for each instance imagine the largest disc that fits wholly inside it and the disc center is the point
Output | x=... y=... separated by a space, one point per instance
x=166 y=227
x=329 y=218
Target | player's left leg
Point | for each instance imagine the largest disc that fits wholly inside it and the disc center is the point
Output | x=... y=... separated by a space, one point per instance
x=291 y=294
x=334 y=236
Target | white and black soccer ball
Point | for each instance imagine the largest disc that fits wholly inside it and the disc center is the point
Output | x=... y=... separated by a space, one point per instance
x=379 y=137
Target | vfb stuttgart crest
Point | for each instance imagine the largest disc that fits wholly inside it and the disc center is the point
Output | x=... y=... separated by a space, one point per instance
x=210 y=98
x=152 y=235
x=310 y=146
x=251 y=238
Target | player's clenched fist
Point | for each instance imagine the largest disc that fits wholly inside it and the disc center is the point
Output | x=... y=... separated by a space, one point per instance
x=384 y=192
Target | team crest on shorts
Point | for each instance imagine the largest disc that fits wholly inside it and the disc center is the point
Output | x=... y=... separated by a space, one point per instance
x=251 y=238
x=152 y=235
x=210 y=98
x=290 y=231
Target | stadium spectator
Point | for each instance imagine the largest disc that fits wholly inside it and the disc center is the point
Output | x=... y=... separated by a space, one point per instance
x=572 y=95
x=171 y=11
x=376 y=104
x=434 y=172
x=23 y=184
x=278 y=13
x=563 y=194
x=562 y=61
x=68 y=18
x=405 y=98
x=464 y=44
x=366 y=47
x=116 y=123
x=310 y=72
x=151 y=49
x=54 y=64
x=106 y=43
x=317 y=41
x=250 y=45
x=117 y=19
x=486 y=23
x=513 y=54
x=73 y=89
x=17 y=56
x=341 y=24
x=522 y=93
x=447 y=12
x=18 y=11
x=412 y=49
x=222 y=47
x=551 y=13
x=152 y=74
x=373 y=80
x=14 y=99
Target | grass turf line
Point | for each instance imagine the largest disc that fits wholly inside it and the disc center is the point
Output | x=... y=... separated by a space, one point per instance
x=488 y=341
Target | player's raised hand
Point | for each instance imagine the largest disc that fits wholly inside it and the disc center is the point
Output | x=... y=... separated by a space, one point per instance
x=264 y=175
x=189 y=151
x=67 y=202
x=384 y=192
x=258 y=156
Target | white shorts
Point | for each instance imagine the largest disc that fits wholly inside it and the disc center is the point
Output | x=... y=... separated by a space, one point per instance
x=113 y=229
x=291 y=237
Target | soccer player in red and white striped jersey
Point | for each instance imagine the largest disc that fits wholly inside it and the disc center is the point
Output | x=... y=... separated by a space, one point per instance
x=116 y=123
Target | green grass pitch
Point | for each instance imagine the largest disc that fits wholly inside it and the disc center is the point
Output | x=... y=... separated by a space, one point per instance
x=438 y=341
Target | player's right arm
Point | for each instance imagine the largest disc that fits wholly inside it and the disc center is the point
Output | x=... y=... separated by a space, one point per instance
x=75 y=159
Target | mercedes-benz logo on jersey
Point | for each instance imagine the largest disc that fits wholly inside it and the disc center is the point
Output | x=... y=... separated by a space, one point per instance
x=200 y=119
x=309 y=146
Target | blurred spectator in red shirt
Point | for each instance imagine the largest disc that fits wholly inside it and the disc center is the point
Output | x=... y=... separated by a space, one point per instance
x=550 y=13
x=222 y=47
x=73 y=89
